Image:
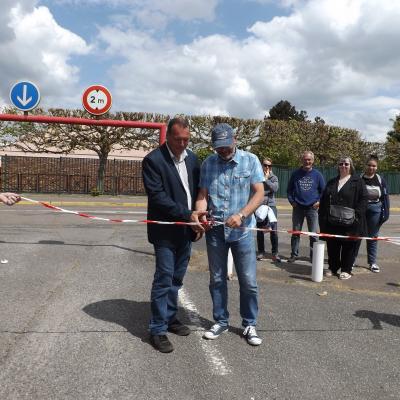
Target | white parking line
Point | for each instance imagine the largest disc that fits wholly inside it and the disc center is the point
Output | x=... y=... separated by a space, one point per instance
x=217 y=362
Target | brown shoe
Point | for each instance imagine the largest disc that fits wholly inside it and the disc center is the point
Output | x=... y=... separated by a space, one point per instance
x=178 y=328
x=161 y=343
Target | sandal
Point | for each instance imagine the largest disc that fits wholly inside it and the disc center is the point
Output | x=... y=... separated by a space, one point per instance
x=344 y=275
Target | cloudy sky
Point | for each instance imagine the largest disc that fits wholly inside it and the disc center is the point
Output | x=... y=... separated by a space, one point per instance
x=337 y=59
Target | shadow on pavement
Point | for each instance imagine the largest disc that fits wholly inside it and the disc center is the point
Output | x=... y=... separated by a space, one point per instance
x=377 y=318
x=132 y=315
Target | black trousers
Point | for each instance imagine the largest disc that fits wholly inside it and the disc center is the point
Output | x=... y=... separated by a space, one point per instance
x=273 y=234
x=340 y=254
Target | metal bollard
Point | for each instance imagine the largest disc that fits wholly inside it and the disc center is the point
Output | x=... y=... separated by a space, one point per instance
x=318 y=261
x=230 y=265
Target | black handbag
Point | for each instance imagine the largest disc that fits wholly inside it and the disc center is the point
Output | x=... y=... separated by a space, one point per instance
x=341 y=216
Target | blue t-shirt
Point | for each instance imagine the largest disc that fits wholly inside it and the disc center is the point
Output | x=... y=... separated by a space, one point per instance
x=305 y=187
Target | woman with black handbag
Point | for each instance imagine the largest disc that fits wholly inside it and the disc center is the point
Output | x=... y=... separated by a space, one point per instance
x=342 y=212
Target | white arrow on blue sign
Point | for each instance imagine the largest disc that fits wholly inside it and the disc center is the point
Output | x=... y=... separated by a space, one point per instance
x=25 y=95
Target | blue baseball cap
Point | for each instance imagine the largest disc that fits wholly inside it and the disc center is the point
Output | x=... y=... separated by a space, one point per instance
x=222 y=135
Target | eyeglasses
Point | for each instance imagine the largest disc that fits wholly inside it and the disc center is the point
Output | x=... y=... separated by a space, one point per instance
x=372 y=166
x=344 y=163
x=267 y=165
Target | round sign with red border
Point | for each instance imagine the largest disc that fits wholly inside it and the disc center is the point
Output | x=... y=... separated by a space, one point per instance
x=96 y=99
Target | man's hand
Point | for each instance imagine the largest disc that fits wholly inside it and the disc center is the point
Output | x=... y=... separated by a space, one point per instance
x=9 y=198
x=198 y=217
x=234 y=221
x=316 y=205
x=294 y=204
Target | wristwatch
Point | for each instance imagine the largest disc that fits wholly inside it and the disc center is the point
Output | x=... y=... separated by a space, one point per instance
x=242 y=216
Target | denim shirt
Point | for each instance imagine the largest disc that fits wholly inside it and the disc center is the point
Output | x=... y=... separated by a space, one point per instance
x=228 y=184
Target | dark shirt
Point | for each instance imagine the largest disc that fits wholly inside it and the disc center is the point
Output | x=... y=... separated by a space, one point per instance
x=305 y=187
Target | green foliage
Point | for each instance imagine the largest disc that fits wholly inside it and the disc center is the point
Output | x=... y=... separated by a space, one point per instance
x=395 y=133
x=246 y=130
x=392 y=159
x=392 y=147
x=203 y=153
x=285 y=141
x=64 y=139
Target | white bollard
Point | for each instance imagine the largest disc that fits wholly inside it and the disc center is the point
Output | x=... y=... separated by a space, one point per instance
x=318 y=261
x=230 y=265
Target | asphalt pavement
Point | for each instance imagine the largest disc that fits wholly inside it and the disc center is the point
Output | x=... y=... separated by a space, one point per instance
x=75 y=308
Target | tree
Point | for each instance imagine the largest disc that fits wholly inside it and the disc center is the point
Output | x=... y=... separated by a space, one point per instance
x=392 y=146
x=395 y=133
x=284 y=141
x=246 y=132
x=284 y=111
x=64 y=139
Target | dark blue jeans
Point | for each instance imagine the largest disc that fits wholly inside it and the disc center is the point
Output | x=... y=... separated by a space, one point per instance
x=244 y=258
x=171 y=266
x=298 y=215
x=373 y=215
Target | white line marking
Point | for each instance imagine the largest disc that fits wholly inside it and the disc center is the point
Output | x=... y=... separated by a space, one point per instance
x=217 y=362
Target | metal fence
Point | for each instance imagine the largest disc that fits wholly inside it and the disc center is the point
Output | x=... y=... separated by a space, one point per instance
x=69 y=175
x=78 y=175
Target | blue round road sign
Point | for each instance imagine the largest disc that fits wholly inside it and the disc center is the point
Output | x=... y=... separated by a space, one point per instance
x=25 y=95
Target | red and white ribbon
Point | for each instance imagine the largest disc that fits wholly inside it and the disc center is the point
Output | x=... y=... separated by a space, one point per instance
x=84 y=215
x=390 y=239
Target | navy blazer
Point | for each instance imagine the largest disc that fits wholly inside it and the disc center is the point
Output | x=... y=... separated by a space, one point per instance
x=167 y=199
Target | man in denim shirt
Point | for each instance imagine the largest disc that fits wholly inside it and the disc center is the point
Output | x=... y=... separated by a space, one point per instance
x=231 y=189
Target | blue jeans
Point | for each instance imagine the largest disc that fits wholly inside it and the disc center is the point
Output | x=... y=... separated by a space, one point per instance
x=171 y=266
x=298 y=215
x=373 y=216
x=273 y=235
x=244 y=257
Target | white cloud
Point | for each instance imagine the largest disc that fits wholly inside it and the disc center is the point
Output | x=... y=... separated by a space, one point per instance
x=35 y=47
x=146 y=10
x=332 y=58
x=337 y=59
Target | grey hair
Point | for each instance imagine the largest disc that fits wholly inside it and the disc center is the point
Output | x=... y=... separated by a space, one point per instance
x=343 y=159
x=308 y=152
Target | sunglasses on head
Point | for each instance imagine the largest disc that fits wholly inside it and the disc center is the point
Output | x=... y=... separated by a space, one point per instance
x=344 y=163
x=267 y=165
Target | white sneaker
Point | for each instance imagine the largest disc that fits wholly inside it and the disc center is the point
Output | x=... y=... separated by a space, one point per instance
x=215 y=331
x=374 y=268
x=251 y=336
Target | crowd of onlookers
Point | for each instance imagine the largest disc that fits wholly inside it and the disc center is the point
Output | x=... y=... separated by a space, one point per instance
x=347 y=205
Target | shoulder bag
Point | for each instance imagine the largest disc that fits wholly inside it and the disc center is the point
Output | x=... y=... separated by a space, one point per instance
x=340 y=215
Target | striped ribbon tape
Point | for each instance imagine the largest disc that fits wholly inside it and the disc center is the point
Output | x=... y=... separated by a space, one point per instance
x=390 y=239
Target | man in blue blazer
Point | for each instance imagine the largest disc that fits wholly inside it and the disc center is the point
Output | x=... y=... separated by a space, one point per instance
x=171 y=177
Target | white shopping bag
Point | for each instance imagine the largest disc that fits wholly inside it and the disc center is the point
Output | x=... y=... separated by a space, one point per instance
x=263 y=212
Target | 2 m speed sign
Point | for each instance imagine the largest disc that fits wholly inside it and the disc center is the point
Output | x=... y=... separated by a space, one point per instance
x=96 y=99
